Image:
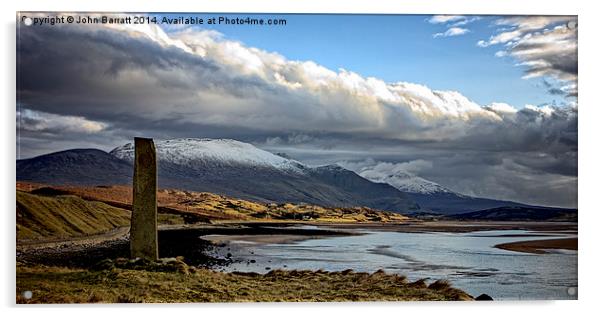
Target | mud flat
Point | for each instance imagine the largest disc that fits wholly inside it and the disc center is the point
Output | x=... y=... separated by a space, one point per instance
x=540 y=246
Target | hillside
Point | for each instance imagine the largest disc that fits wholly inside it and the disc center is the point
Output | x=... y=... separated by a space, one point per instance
x=40 y=217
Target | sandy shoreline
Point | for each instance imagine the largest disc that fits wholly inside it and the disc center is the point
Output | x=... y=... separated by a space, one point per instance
x=540 y=246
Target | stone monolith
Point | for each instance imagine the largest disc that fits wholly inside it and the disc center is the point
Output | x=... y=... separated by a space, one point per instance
x=143 y=231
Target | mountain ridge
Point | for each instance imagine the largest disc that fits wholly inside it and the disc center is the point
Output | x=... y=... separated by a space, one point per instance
x=241 y=170
x=220 y=166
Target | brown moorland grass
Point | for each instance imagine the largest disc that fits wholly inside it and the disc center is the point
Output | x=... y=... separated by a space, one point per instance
x=42 y=217
x=62 y=285
x=66 y=216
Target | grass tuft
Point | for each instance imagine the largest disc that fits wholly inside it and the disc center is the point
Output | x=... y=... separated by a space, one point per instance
x=421 y=283
x=440 y=285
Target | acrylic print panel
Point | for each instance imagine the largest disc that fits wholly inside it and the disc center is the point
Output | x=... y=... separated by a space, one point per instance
x=295 y=157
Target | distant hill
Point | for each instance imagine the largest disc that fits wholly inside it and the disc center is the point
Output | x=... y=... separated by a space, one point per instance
x=221 y=166
x=520 y=213
x=75 y=166
x=454 y=203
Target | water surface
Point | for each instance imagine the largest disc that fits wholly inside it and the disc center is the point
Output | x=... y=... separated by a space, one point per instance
x=468 y=260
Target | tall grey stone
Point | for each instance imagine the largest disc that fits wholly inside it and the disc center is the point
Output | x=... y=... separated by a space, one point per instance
x=143 y=231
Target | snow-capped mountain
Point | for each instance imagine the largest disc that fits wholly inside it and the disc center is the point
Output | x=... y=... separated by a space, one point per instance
x=221 y=166
x=191 y=151
x=241 y=170
x=407 y=182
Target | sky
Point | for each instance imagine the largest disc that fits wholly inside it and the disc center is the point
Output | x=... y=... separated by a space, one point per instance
x=484 y=105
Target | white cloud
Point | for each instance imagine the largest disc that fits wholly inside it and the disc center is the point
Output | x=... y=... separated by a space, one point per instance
x=454 y=23
x=453 y=31
x=501 y=53
x=466 y=21
x=437 y=19
x=502 y=108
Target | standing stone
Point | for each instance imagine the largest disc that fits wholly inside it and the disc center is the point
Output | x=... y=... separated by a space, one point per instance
x=143 y=231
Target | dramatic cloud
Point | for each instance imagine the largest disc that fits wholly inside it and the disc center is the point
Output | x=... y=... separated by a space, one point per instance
x=546 y=46
x=101 y=85
x=124 y=79
x=453 y=31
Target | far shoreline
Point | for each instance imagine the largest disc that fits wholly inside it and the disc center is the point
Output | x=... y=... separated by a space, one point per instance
x=419 y=226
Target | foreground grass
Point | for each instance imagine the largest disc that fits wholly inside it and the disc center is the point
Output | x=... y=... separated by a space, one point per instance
x=62 y=285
